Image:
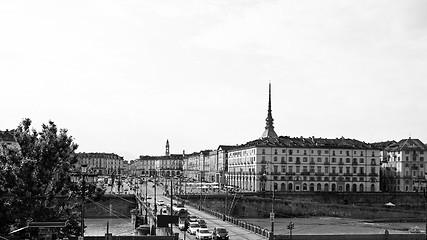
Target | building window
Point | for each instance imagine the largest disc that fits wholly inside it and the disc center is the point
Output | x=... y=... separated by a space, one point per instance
x=275 y=151
x=263 y=151
x=304 y=159
x=275 y=159
x=361 y=160
x=297 y=169
x=290 y=151
x=290 y=159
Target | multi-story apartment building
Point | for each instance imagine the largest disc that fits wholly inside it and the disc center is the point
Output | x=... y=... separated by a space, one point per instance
x=8 y=140
x=304 y=164
x=404 y=167
x=163 y=166
x=222 y=164
x=196 y=166
x=101 y=163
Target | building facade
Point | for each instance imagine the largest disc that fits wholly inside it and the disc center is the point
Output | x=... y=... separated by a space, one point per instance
x=304 y=164
x=404 y=166
x=7 y=140
x=168 y=165
x=101 y=163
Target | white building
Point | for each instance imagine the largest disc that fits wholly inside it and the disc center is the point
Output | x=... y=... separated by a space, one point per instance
x=404 y=166
x=304 y=164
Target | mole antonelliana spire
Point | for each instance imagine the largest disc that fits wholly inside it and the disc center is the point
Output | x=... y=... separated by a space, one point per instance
x=167 y=147
x=269 y=128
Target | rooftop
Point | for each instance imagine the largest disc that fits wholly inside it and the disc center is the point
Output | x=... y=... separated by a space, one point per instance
x=407 y=145
x=312 y=142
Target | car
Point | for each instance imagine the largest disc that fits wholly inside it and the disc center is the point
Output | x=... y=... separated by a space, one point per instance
x=192 y=228
x=192 y=218
x=203 y=234
x=220 y=233
x=164 y=211
x=202 y=223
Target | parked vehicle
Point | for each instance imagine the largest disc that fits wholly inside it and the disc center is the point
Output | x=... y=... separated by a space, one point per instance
x=160 y=202
x=203 y=234
x=192 y=228
x=220 y=233
x=183 y=224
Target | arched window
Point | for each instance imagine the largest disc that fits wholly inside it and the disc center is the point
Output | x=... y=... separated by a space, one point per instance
x=311 y=187
x=354 y=188
x=361 y=188
x=347 y=187
x=319 y=187
x=282 y=187
x=290 y=187
x=304 y=187
x=372 y=187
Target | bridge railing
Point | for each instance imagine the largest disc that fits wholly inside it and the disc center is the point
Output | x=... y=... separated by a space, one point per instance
x=243 y=224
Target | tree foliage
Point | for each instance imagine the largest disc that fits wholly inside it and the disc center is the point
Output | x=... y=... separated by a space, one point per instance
x=35 y=179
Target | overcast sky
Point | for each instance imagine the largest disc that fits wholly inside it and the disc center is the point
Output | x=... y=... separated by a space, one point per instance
x=125 y=76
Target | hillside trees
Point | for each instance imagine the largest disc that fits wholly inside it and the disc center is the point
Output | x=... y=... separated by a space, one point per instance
x=35 y=179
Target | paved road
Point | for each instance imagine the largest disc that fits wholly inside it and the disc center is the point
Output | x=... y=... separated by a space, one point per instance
x=235 y=232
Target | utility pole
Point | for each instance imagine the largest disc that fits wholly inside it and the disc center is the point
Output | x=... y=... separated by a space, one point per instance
x=171 y=212
x=146 y=201
x=83 y=166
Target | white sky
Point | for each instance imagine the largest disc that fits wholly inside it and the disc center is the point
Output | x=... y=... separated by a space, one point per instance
x=124 y=76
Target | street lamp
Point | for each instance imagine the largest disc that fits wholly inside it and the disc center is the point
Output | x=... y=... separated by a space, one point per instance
x=425 y=199
x=272 y=186
x=83 y=168
x=146 y=203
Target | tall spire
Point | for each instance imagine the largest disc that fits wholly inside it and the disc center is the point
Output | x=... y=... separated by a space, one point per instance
x=269 y=128
x=167 y=147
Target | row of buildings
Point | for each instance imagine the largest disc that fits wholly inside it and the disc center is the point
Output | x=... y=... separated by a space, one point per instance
x=282 y=163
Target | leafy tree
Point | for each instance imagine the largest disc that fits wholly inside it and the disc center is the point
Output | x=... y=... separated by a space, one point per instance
x=35 y=179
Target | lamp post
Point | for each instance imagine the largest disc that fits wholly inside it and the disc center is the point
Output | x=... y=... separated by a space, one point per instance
x=155 y=194
x=146 y=203
x=201 y=189
x=272 y=186
x=425 y=201
x=83 y=168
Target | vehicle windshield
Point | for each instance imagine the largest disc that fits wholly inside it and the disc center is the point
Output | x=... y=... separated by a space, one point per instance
x=194 y=225
x=202 y=221
x=221 y=230
x=203 y=230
